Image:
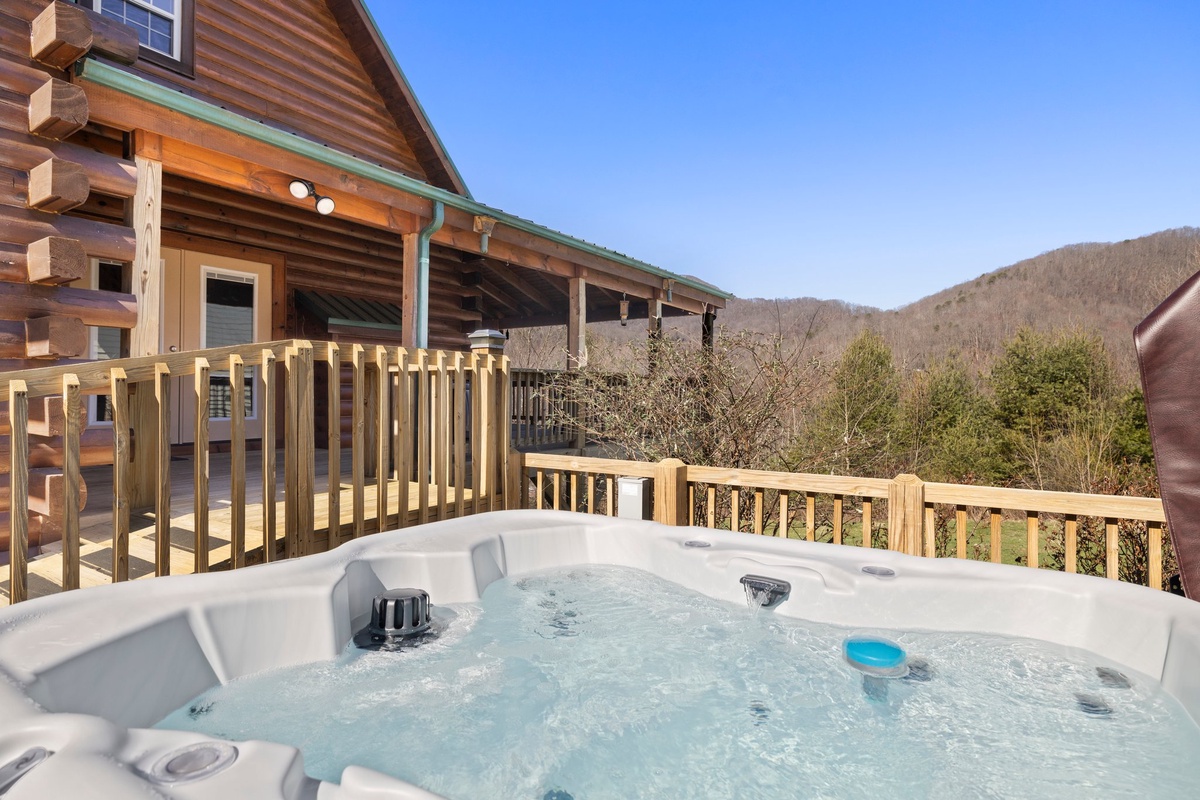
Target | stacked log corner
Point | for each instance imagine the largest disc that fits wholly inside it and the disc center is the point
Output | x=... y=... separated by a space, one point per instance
x=46 y=171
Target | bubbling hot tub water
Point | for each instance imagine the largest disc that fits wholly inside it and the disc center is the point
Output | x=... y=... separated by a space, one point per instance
x=560 y=663
x=611 y=682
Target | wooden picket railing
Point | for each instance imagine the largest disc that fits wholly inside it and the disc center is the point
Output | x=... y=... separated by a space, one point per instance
x=544 y=408
x=903 y=513
x=537 y=416
x=428 y=441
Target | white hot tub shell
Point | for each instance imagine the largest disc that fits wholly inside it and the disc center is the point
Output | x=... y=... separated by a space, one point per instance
x=84 y=674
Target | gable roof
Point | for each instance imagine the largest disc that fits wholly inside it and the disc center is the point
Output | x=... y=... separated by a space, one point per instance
x=360 y=29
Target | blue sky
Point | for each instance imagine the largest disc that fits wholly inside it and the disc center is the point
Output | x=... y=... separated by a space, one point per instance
x=873 y=152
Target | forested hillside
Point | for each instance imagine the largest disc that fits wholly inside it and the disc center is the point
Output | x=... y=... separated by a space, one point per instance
x=1101 y=288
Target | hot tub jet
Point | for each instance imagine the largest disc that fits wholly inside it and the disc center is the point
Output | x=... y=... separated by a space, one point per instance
x=399 y=617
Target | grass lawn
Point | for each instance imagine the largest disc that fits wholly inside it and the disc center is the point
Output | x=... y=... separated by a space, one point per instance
x=1012 y=538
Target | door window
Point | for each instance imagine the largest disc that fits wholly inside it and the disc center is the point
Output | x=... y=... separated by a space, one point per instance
x=228 y=319
x=106 y=342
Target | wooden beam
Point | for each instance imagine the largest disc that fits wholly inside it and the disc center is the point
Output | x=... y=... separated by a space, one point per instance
x=106 y=174
x=63 y=33
x=60 y=35
x=45 y=417
x=55 y=259
x=95 y=449
x=44 y=337
x=210 y=167
x=510 y=278
x=57 y=186
x=144 y=215
x=44 y=492
x=57 y=109
x=501 y=302
x=22 y=301
x=577 y=324
x=23 y=226
x=708 y=325
x=607 y=313
x=39 y=530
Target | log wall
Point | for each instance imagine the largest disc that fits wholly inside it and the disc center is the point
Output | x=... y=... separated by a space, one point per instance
x=287 y=63
x=49 y=170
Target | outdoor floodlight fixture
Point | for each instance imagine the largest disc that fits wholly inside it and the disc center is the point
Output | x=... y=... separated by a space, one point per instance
x=301 y=189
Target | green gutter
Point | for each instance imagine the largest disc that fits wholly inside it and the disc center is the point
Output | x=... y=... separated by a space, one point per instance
x=435 y=225
x=103 y=74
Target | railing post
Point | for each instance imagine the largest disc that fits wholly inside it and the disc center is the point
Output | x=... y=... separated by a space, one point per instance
x=161 y=448
x=906 y=506
x=514 y=488
x=18 y=511
x=299 y=449
x=670 y=492
x=333 y=445
x=122 y=490
x=504 y=443
x=268 y=416
x=237 y=465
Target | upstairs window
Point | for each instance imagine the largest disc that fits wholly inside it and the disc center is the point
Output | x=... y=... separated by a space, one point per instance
x=164 y=27
x=156 y=22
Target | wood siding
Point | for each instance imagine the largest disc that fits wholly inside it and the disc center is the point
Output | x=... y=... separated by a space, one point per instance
x=288 y=64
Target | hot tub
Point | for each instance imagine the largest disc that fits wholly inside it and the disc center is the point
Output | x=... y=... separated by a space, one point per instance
x=84 y=675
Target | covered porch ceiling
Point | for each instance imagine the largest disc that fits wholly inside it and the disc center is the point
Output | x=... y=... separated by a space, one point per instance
x=521 y=271
x=514 y=297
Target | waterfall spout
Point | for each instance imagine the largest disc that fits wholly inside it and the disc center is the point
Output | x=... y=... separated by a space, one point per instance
x=763 y=592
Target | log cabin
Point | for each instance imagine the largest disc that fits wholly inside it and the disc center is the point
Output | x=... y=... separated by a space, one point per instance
x=186 y=174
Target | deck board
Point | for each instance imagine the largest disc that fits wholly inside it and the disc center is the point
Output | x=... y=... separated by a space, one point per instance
x=45 y=570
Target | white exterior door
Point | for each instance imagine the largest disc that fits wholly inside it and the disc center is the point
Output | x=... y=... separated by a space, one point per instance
x=215 y=301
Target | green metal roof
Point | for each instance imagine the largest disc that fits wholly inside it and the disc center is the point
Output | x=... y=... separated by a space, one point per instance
x=104 y=74
x=336 y=309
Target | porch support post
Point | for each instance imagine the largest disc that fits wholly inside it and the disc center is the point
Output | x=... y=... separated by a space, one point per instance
x=408 y=303
x=577 y=324
x=415 y=293
x=576 y=340
x=143 y=213
x=654 y=315
x=708 y=324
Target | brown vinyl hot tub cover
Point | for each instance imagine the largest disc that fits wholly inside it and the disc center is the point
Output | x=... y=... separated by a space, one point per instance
x=1168 y=350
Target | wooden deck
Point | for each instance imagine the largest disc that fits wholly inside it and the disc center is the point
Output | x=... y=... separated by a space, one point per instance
x=45 y=571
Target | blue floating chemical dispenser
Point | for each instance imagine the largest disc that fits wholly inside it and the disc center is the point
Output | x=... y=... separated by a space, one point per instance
x=876 y=657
